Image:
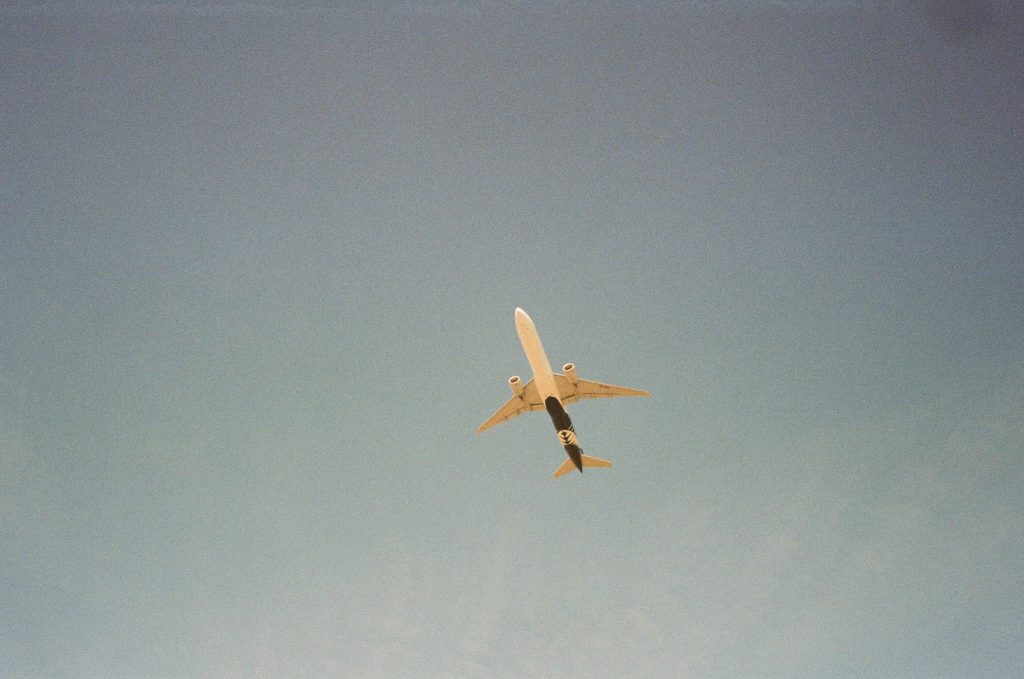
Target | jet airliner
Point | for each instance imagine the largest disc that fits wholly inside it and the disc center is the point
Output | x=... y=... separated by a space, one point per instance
x=552 y=391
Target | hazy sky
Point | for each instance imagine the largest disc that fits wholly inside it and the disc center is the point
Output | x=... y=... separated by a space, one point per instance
x=258 y=269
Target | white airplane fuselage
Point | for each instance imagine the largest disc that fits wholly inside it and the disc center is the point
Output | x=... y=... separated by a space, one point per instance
x=547 y=388
x=543 y=376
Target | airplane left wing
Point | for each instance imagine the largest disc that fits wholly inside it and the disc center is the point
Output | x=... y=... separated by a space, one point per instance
x=570 y=391
x=521 y=403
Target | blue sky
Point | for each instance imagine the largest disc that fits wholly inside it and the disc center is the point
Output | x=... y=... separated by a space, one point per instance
x=259 y=267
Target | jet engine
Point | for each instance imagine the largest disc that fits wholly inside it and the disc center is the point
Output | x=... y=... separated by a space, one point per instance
x=516 y=385
x=570 y=373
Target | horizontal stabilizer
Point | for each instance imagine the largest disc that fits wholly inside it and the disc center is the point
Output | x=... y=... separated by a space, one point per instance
x=589 y=461
x=566 y=467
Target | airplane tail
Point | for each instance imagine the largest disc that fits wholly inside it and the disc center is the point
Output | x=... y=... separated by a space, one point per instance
x=587 y=460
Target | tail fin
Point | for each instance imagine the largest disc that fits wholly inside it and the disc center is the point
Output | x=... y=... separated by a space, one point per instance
x=587 y=461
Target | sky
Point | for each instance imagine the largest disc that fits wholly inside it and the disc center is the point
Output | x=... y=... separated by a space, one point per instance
x=258 y=268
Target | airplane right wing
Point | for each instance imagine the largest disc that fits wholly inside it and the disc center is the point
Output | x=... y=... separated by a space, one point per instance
x=523 y=402
x=570 y=391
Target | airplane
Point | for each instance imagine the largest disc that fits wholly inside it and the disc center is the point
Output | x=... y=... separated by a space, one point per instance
x=552 y=391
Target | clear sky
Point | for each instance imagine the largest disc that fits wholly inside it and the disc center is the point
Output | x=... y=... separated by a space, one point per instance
x=258 y=269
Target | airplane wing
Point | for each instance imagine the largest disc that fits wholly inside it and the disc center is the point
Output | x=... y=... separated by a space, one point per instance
x=569 y=392
x=528 y=400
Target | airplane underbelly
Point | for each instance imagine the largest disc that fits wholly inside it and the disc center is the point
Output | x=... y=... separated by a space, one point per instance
x=543 y=376
x=545 y=385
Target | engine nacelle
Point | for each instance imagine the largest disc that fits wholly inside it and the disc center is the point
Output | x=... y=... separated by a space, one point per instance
x=570 y=373
x=516 y=385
